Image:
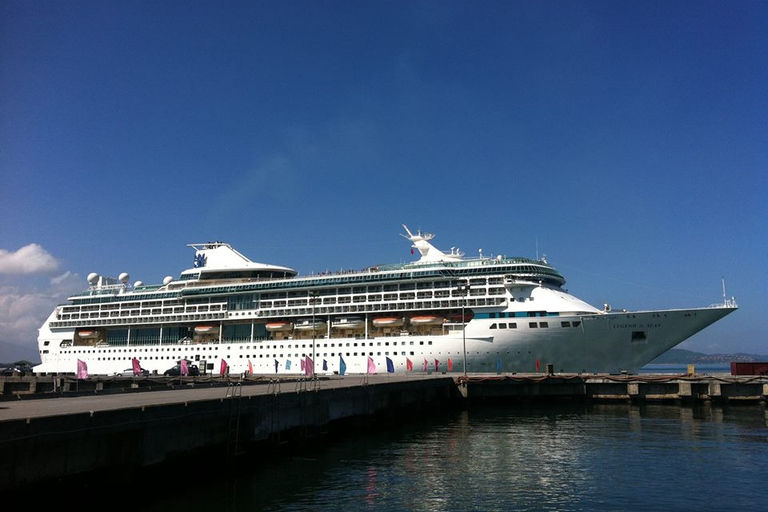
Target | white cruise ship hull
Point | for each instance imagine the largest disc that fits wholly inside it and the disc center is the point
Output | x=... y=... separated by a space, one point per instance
x=442 y=313
x=601 y=343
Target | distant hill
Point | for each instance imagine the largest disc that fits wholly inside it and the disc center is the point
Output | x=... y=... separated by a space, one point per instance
x=681 y=356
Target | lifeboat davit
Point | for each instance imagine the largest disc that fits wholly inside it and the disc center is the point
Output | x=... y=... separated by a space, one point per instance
x=279 y=326
x=427 y=320
x=348 y=322
x=206 y=329
x=388 y=321
x=88 y=334
x=308 y=325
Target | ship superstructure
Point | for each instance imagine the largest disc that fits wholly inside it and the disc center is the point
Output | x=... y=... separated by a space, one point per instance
x=442 y=312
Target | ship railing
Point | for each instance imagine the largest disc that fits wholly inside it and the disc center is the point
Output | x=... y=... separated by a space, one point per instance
x=727 y=303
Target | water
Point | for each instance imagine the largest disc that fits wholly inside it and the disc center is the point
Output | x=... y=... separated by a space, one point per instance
x=559 y=457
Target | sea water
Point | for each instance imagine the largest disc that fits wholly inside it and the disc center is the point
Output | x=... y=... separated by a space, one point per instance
x=516 y=456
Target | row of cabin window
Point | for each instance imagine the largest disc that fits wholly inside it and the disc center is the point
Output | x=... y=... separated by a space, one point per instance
x=532 y=325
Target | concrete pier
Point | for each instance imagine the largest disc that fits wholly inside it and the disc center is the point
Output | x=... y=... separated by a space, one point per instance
x=48 y=439
x=657 y=388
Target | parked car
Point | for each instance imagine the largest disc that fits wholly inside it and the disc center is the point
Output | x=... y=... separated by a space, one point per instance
x=128 y=372
x=175 y=371
x=20 y=368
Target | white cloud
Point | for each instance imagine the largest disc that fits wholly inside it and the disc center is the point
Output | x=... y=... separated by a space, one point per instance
x=30 y=259
x=20 y=313
x=23 y=309
x=63 y=278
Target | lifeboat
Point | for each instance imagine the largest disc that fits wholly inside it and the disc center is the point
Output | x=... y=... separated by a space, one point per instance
x=308 y=325
x=388 y=321
x=349 y=322
x=427 y=320
x=279 y=326
x=88 y=334
x=468 y=315
x=206 y=329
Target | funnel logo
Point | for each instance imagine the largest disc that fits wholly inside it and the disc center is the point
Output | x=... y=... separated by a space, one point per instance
x=199 y=260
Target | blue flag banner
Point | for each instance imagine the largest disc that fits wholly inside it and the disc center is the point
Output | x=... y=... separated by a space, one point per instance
x=342 y=366
x=390 y=366
x=277 y=363
x=498 y=365
x=288 y=364
x=325 y=365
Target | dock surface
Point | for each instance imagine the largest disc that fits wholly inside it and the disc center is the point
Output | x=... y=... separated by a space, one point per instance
x=77 y=402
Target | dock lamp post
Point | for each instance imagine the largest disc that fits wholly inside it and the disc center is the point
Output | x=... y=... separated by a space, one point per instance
x=312 y=299
x=464 y=288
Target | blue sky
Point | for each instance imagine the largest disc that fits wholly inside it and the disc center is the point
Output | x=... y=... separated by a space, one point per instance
x=627 y=141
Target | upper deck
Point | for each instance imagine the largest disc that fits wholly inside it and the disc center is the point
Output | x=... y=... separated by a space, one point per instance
x=219 y=268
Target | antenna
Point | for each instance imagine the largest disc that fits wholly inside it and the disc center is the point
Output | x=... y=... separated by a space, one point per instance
x=725 y=297
x=537 y=248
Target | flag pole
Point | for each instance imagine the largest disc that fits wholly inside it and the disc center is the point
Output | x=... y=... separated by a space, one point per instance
x=465 y=290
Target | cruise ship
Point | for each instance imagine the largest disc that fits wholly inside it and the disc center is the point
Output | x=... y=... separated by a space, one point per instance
x=442 y=312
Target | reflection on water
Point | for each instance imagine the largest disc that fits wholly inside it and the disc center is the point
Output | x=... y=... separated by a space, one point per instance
x=513 y=457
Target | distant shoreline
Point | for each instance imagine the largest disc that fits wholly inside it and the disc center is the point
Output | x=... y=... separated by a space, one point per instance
x=681 y=356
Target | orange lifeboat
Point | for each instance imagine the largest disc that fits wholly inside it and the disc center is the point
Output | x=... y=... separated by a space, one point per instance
x=279 y=326
x=88 y=334
x=427 y=320
x=388 y=321
x=206 y=329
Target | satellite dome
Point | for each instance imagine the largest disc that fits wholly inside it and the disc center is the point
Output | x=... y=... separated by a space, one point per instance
x=137 y=284
x=167 y=279
x=93 y=278
x=124 y=277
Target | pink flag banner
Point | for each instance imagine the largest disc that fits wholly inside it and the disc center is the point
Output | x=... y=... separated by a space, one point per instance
x=425 y=365
x=136 y=367
x=371 y=365
x=408 y=365
x=309 y=366
x=450 y=365
x=250 y=368
x=437 y=366
x=184 y=369
x=82 y=369
x=303 y=365
x=224 y=367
